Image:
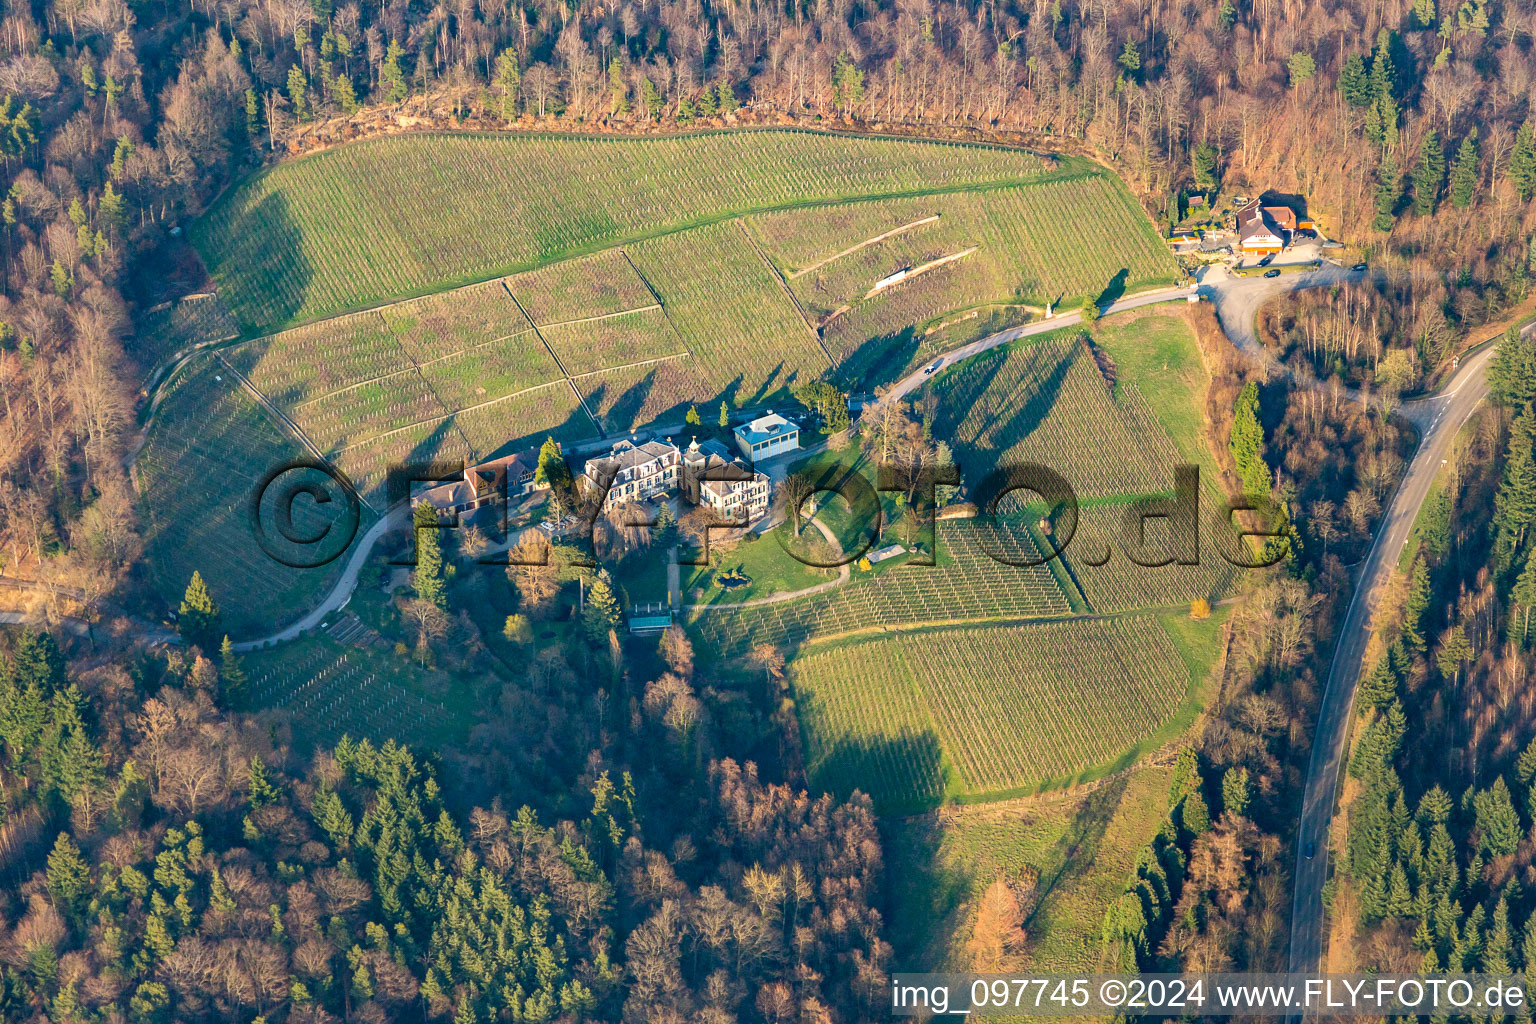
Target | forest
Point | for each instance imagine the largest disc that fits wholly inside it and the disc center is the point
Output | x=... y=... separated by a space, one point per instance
x=1437 y=873
x=192 y=868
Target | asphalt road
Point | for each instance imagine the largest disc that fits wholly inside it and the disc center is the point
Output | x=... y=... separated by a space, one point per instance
x=1440 y=417
x=1236 y=300
x=914 y=380
x=396 y=517
x=1245 y=293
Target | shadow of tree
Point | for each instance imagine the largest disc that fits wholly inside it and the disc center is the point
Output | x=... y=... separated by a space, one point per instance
x=1113 y=291
x=875 y=359
x=264 y=274
x=902 y=772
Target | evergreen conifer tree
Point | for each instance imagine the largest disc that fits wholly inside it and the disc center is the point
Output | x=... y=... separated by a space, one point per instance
x=601 y=613
x=1428 y=175
x=1522 y=163
x=1464 y=172
x=69 y=877
x=232 y=681
x=427 y=577
x=198 y=616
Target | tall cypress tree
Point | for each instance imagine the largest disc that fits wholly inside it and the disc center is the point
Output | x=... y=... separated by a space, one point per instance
x=427 y=578
x=1247 y=444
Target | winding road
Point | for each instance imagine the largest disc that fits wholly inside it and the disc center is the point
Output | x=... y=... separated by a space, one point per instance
x=1439 y=417
x=1236 y=300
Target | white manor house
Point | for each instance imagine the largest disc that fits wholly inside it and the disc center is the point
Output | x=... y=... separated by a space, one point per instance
x=704 y=473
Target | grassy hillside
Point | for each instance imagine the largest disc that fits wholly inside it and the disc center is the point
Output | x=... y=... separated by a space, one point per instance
x=1070 y=854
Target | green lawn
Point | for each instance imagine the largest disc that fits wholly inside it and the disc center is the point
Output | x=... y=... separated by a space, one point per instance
x=773 y=570
x=1157 y=352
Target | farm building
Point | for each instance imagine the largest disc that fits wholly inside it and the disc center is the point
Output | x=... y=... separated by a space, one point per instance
x=767 y=436
x=511 y=476
x=1264 y=230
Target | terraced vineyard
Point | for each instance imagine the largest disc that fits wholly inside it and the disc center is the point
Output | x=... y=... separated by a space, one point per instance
x=1121 y=585
x=490 y=371
x=442 y=325
x=208 y=449
x=697 y=269
x=1013 y=245
x=917 y=716
x=627 y=399
x=296 y=242
x=732 y=311
x=194 y=320
x=616 y=340
x=1044 y=400
x=597 y=285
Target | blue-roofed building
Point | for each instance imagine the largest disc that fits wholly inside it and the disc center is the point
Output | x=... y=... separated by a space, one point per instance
x=768 y=435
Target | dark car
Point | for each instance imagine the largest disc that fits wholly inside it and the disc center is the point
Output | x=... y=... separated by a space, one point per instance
x=1311 y=850
x=1358 y=267
x=1272 y=272
x=1266 y=261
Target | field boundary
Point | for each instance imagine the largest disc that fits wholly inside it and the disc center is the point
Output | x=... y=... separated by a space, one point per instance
x=788 y=292
x=279 y=417
x=600 y=316
x=556 y=357
x=922 y=134
x=415 y=366
x=630 y=366
x=933 y=264
x=1079 y=169
x=450 y=414
x=864 y=244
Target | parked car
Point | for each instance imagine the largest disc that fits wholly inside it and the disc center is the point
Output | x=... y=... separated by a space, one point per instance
x=1358 y=267
x=1272 y=272
x=1267 y=260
